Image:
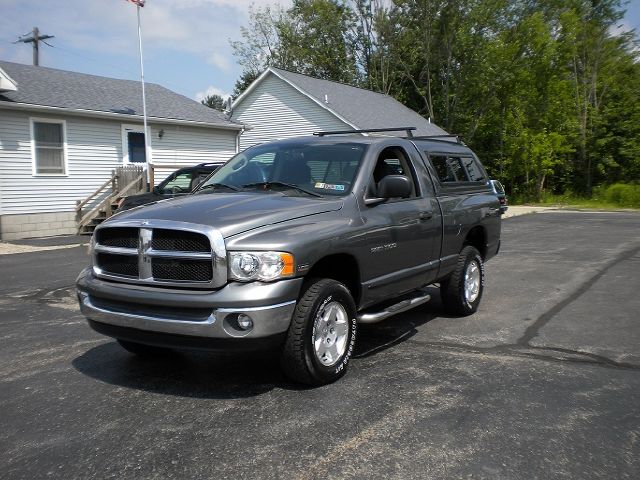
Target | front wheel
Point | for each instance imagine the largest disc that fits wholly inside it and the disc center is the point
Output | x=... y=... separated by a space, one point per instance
x=322 y=334
x=462 y=291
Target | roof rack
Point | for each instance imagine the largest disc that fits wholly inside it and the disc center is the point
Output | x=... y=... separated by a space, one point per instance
x=409 y=131
x=437 y=137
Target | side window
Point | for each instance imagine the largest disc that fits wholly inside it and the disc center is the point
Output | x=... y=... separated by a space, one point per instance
x=393 y=161
x=450 y=169
x=439 y=163
x=473 y=169
x=179 y=184
x=455 y=164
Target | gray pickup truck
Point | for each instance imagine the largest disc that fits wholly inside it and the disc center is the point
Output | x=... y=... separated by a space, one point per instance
x=293 y=244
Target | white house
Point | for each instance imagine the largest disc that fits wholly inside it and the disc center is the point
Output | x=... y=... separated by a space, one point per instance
x=281 y=104
x=62 y=133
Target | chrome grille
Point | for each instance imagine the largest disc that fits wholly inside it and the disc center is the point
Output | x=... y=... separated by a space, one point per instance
x=160 y=252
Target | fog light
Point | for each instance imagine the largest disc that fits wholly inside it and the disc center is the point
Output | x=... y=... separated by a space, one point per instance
x=245 y=322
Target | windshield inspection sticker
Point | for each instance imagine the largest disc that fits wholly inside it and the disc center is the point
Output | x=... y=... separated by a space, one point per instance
x=329 y=186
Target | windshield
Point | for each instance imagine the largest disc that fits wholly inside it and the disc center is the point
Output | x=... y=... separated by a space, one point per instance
x=313 y=168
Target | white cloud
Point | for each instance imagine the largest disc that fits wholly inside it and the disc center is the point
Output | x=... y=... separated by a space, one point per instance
x=211 y=90
x=199 y=27
x=218 y=60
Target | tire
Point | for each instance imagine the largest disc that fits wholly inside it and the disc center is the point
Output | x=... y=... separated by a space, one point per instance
x=462 y=291
x=143 y=350
x=322 y=334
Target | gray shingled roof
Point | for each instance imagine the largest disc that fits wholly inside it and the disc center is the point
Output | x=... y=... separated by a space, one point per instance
x=362 y=108
x=72 y=90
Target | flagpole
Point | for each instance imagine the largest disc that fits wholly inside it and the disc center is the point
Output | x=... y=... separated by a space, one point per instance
x=147 y=137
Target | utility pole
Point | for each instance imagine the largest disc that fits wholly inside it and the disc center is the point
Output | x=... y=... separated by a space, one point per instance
x=35 y=38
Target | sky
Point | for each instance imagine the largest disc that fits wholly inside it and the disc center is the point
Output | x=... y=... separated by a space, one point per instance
x=185 y=42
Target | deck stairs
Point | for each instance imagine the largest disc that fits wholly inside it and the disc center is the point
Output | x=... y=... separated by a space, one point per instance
x=101 y=204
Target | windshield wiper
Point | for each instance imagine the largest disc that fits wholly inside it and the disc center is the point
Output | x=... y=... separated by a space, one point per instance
x=270 y=185
x=210 y=186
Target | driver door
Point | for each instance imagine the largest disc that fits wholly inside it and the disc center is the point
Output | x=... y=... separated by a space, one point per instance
x=403 y=234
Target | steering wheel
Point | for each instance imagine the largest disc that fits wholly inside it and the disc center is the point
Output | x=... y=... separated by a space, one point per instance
x=177 y=189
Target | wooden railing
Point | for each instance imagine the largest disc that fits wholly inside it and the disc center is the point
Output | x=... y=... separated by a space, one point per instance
x=127 y=180
x=94 y=195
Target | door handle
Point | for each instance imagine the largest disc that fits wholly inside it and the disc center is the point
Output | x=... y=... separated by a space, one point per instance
x=426 y=215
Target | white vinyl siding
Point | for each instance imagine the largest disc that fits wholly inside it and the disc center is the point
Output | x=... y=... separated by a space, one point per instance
x=185 y=146
x=94 y=149
x=275 y=110
x=48 y=146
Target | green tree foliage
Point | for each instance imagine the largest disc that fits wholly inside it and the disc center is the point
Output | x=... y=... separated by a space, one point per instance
x=214 y=101
x=544 y=90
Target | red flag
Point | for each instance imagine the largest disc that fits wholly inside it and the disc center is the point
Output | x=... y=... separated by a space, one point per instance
x=139 y=3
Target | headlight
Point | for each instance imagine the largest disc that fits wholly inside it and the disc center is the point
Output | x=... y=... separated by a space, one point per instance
x=265 y=266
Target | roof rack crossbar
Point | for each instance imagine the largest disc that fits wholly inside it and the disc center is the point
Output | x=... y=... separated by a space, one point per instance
x=409 y=131
x=436 y=137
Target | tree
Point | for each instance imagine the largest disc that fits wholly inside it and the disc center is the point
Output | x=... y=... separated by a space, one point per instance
x=214 y=101
x=246 y=79
x=541 y=89
x=592 y=54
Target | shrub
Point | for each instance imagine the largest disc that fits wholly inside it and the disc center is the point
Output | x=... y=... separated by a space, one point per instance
x=620 y=194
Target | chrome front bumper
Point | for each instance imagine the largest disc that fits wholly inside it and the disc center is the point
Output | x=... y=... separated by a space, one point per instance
x=270 y=306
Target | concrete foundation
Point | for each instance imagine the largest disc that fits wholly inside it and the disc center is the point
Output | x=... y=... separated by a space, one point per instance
x=15 y=227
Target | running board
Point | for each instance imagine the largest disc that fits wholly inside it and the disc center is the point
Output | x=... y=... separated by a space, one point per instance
x=400 y=307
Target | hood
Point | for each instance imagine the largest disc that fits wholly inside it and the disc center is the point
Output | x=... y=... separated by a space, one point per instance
x=232 y=213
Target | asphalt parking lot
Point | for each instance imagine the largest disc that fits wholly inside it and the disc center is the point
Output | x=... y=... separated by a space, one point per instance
x=543 y=382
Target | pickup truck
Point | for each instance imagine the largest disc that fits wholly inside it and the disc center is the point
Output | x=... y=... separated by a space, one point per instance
x=294 y=243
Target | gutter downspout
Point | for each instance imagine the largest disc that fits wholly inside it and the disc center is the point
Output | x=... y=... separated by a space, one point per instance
x=240 y=132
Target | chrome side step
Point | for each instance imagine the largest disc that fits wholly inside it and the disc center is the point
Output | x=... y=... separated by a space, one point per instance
x=400 y=307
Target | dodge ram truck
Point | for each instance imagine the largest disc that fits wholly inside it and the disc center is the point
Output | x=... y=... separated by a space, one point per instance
x=294 y=243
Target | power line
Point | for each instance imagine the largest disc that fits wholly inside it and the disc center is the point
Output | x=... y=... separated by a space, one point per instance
x=35 y=39
x=160 y=81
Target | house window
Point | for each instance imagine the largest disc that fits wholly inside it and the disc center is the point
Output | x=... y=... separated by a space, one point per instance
x=48 y=147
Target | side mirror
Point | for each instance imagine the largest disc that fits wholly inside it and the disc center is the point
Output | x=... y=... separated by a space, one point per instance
x=156 y=190
x=394 y=186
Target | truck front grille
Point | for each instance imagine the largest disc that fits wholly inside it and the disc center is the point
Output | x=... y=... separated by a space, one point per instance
x=118 y=237
x=182 y=270
x=179 y=241
x=152 y=253
x=114 y=264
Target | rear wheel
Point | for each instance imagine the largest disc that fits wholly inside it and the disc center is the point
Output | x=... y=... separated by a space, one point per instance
x=462 y=291
x=141 y=349
x=322 y=334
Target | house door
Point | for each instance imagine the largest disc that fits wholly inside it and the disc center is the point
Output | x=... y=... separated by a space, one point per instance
x=133 y=146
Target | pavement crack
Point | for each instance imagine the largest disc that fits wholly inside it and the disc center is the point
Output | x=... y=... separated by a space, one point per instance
x=533 y=330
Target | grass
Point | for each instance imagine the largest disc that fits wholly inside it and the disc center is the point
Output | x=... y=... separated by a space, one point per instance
x=611 y=197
